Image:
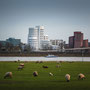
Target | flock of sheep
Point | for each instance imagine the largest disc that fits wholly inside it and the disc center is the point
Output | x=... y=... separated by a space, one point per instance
x=35 y=73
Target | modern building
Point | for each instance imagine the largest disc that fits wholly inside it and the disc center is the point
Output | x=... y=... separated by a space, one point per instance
x=3 y=43
x=46 y=45
x=88 y=44
x=13 y=41
x=71 y=41
x=35 y=37
x=40 y=35
x=10 y=45
x=57 y=44
x=46 y=37
x=3 y=46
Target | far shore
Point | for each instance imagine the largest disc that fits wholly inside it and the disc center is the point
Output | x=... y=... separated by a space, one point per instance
x=43 y=55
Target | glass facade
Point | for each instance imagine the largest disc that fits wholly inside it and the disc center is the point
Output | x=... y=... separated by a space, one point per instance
x=13 y=41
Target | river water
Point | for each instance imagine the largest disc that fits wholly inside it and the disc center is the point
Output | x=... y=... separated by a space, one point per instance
x=45 y=59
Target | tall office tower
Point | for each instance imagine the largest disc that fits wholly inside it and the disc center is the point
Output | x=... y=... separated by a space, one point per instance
x=71 y=42
x=78 y=39
x=35 y=37
x=40 y=35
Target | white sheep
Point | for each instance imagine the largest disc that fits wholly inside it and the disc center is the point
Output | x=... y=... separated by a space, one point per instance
x=67 y=77
x=20 y=67
x=45 y=66
x=35 y=73
x=50 y=74
x=58 y=66
x=22 y=64
x=8 y=74
x=81 y=76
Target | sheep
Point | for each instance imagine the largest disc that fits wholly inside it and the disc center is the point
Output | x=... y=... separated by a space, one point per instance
x=50 y=74
x=58 y=66
x=41 y=62
x=81 y=76
x=20 y=67
x=61 y=61
x=67 y=76
x=22 y=64
x=8 y=74
x=35 y=73
x=45 y=66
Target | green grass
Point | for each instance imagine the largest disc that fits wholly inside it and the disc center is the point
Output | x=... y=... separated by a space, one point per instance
x=24 y=80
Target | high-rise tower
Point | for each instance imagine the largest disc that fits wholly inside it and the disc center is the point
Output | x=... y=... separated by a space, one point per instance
x=35 y=37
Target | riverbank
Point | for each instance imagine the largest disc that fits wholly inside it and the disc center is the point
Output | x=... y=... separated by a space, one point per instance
x=40 y=54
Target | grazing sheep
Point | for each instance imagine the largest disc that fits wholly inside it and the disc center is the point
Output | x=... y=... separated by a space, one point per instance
x=8 y=74
x=20 y=67
x=61 y=61
x=81 y=76
x=50 y=74
x=22 y=64
x=35 y=73
x=41 y=62
x=45 y=66
x=58 y=66
x=67 y=76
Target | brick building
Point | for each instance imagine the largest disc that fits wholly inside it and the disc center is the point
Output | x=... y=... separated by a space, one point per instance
x=85 y=43
x=78 y=39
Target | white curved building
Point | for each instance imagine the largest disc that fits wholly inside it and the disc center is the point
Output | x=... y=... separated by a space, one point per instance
x=35 y=37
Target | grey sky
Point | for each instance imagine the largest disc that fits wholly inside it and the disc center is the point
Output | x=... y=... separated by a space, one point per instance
x=60 y=18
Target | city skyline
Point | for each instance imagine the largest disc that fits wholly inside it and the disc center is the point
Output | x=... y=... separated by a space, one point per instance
x=60 y=18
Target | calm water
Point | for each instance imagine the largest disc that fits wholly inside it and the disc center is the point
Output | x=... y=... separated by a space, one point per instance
x=45 y=59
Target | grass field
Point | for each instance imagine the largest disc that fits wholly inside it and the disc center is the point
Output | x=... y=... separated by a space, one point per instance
x=24 y=79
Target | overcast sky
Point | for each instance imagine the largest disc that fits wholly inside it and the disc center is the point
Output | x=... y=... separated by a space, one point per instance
x=60 y=18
